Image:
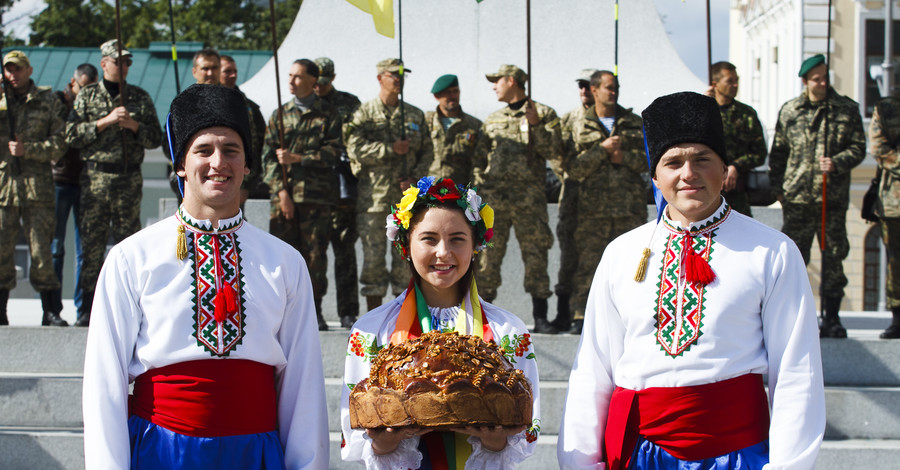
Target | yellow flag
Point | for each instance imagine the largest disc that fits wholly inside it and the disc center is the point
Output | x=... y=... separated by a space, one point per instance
x=382 y=12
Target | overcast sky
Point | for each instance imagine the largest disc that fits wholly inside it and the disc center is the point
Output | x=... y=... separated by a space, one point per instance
x=685 y=22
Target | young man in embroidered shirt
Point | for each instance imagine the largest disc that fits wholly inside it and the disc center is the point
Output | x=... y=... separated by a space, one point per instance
x=211 y=318
x=669 y=369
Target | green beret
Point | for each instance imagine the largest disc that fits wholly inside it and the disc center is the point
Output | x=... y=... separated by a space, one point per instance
x=443 y=82
x=810 y=64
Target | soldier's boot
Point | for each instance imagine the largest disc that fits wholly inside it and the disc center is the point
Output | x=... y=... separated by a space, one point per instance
x=319 y=318
x=541 y=325
x=4 y=299
x=347 y=321
x=84 y=313
x=51 y=314
x=372 y=302
x=831 y=323
x=893 y=331
x=563 y=320
x=577 y=323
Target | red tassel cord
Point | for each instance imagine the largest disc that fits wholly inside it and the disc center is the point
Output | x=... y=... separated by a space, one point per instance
x=696 y=268
x=225 y=301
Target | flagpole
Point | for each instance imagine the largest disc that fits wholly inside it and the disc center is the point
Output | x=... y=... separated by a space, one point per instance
x=174 y=51
x=825 y=174
x=120 y=63
x=709 y=46
x=284 y=178
x=402 y=84
x=616 y=48
x=530 y=80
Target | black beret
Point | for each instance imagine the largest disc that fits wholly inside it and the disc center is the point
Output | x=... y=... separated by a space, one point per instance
x=201 y=107
x=682 y=118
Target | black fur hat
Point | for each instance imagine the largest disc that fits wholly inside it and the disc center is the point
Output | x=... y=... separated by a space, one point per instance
x=203 y=106
x=681 y=118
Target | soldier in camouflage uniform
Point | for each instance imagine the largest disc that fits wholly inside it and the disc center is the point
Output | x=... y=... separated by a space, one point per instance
x=884 y=137
x=512 y=177
x=387 y=155
x=302 y=202
x=796 y=162
x=26 y=182
x=343 y=215
x=253 y=186
x=111 y=183
x=454 y=134
x=743 y=135
x=568 y=209
x=609 y=158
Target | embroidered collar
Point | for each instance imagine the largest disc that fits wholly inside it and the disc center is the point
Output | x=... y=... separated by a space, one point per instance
x=205 y=226
x=700 y=227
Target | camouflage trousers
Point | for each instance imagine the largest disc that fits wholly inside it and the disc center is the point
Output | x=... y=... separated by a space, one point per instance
x=524 y=209
x=890 y=235
x=38 y=222
x=591 y=239
x=739 y=201
x=565 y=234
x=343 y=244
x=308 y=232
x=374 y=278
x=802 y=222
x=110 y=203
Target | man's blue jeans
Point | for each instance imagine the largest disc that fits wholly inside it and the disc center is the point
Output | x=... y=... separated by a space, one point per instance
x=68 y=199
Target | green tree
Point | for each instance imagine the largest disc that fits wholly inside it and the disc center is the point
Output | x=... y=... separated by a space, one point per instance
x=222 y=24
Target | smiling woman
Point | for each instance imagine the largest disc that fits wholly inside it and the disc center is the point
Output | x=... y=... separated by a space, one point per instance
x=439 y=227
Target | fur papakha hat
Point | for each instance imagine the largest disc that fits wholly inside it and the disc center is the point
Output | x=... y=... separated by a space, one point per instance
x=682 y=118
x=203 y=106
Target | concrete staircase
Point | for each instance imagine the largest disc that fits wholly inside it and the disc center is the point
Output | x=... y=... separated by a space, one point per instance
x=41 y=422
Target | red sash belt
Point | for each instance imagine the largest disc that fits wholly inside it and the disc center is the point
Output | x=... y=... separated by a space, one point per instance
x=691 y=423
x=208 y=398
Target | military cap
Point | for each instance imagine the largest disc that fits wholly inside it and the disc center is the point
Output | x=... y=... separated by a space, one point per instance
x=507 y=70
x=326 y=70
x=203 y=106
x=17 y=58
x=810 y=64
x=110 y=49
x=443 y=82
x=682 y=118
x=392 y=65
x=585 y=75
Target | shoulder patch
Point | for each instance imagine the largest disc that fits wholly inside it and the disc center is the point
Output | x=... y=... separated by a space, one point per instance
x=553 y=123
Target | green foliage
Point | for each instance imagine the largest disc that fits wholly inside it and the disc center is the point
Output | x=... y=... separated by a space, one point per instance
x=221 y=24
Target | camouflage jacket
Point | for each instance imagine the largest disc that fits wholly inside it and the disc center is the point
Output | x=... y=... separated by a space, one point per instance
x=744 y=139
x=503 y=154
x=370 y=136
x=316 y=134
x=94 y=102
x=799 y=139
x=40 y=128
x=884 y=137
x=609 y=189
x=454 y=148
x=566 y=122
x=344 y=104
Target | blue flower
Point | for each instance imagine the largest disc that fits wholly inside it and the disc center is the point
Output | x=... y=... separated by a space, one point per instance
x=425 y=183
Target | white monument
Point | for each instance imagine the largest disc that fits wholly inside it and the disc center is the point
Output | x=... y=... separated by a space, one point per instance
x=469 y=39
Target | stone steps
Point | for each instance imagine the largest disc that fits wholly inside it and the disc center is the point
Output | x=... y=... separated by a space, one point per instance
x=40 y=396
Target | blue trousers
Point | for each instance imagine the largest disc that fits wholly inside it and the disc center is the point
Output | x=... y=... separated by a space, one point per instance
x=649 y=456
x=68 y=199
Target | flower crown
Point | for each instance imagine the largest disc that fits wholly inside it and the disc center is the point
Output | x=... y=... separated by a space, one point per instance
x=427 y=193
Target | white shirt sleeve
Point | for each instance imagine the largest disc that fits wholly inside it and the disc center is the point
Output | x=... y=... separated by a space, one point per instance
x=115 y=321
x=796 y=385
x=302 y=419
x=591 y=384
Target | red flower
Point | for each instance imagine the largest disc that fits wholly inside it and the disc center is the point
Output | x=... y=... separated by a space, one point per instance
x=444 y=190
x=488 y=234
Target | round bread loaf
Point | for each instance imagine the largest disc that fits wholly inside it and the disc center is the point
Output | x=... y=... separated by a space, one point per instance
x=441 y=380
